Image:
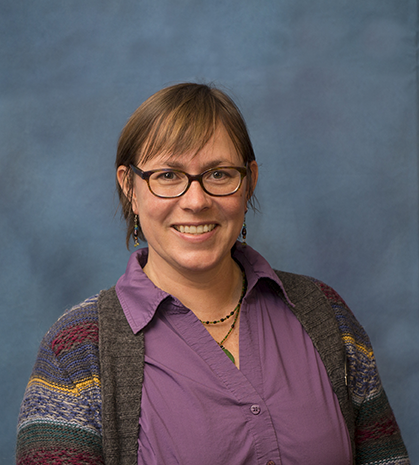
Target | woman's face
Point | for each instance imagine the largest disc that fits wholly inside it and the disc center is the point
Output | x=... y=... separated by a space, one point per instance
x=163 y=221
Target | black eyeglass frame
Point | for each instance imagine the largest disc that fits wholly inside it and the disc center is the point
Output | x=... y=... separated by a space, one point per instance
x=191 y=177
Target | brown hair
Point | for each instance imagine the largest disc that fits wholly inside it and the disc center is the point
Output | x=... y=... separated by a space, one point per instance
x=177 y=120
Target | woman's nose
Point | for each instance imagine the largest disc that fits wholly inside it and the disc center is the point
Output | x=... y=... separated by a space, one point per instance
x=195 y=198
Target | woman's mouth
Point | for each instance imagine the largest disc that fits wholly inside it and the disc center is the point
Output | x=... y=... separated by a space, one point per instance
x=190 y=229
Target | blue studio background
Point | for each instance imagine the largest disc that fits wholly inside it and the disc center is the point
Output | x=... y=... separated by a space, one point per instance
x=329 y=89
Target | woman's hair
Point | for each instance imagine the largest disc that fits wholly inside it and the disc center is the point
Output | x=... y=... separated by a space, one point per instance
x=174 y=121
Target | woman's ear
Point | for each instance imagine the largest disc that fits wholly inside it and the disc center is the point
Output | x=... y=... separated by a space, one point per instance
x=254 y=170
x=127 y=185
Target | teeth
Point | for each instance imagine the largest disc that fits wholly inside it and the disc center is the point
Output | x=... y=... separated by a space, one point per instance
x=195 y=229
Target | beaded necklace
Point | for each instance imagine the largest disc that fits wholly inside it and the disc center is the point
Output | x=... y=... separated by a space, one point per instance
x=235 y=311
x=221 y=319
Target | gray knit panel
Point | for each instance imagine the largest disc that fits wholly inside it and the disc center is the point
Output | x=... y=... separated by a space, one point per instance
x=122 y=369
x=317 y=317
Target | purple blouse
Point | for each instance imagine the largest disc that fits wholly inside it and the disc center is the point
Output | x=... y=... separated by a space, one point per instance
x=197 y=407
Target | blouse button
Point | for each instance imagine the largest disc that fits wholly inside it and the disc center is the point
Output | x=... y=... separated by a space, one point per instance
x=255 y=409
x=271 y=462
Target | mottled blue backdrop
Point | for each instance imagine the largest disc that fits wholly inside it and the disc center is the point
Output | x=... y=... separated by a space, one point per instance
x=329 y=89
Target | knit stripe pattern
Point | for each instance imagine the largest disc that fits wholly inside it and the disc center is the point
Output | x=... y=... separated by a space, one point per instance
x=60 y=416
x=377 y=436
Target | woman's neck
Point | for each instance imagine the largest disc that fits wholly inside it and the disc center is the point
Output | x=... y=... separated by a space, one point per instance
x=210 y=294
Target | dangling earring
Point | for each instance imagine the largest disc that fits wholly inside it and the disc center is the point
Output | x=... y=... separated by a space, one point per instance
x=244 y=231
x=136 y=231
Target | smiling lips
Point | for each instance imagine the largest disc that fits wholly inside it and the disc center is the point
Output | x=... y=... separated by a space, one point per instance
x=202 y=228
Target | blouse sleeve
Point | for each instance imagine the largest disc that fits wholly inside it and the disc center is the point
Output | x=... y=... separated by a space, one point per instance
x=60 y=416
x=377 y=435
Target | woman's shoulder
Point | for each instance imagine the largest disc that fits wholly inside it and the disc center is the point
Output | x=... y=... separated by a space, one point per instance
x=77 y=323
x=67 y=363
x=351 y=329
x=302 y=287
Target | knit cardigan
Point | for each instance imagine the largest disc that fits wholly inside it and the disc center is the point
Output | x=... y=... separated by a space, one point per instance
x=82 y=402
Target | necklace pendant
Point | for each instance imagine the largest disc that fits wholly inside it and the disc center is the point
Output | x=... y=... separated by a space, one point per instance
x=229 y=354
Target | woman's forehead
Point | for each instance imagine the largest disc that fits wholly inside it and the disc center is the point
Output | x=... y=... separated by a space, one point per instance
x=218 y=150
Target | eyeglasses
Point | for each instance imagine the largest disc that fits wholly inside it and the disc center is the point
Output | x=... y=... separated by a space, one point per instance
x=168 y=183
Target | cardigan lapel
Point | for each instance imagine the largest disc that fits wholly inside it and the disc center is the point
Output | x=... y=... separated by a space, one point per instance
x=121 y=355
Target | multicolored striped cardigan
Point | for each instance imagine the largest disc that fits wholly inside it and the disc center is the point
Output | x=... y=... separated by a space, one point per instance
x=82 y=403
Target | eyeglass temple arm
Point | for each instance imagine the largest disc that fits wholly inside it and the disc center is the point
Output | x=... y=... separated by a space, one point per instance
x=143 y=174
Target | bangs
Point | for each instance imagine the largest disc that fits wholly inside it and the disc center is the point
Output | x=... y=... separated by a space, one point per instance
x=181 y=129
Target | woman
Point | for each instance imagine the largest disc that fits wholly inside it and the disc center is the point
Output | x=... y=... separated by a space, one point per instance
x=202 y=353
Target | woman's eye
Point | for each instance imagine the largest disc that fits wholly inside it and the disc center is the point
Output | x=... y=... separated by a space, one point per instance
x=219 y=175
x=166 y=176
